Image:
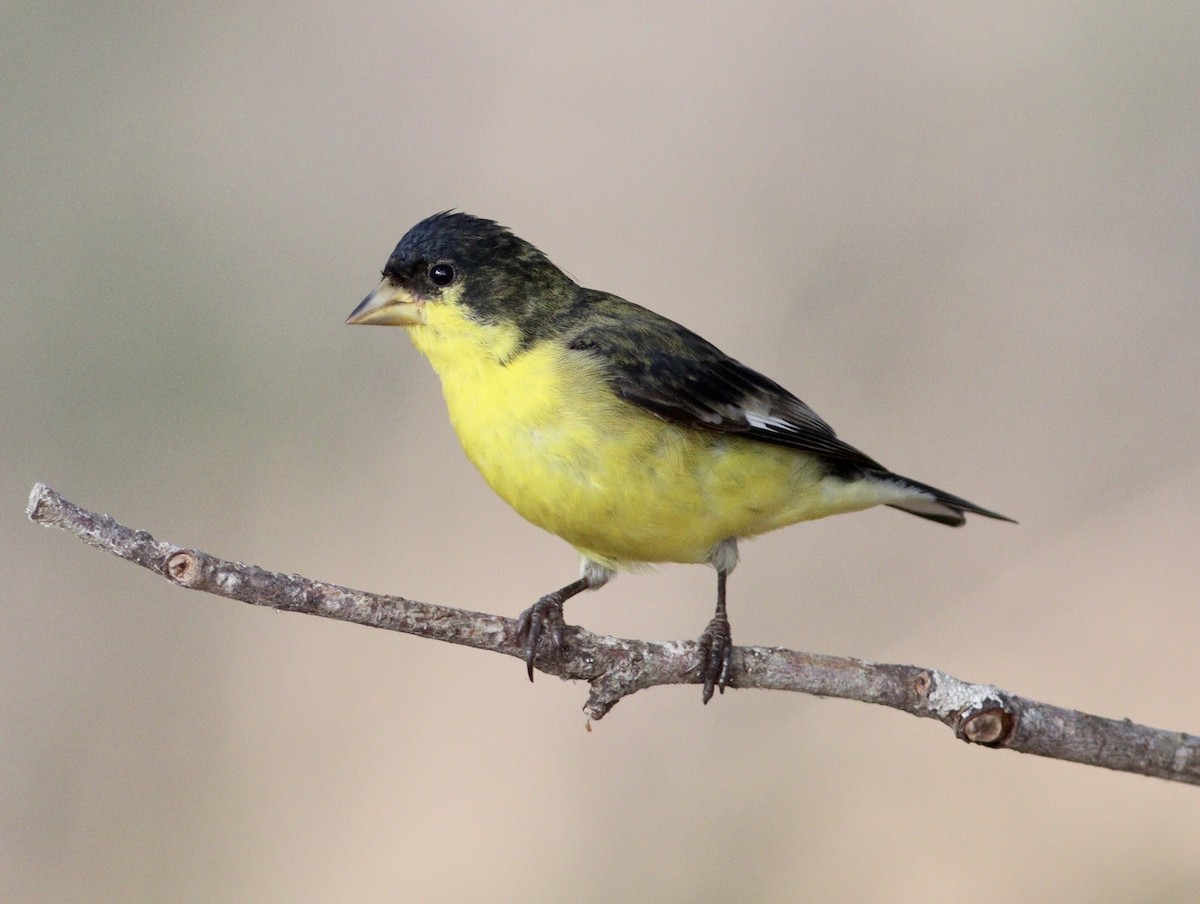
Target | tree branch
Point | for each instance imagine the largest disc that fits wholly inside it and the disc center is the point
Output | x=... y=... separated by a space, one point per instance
x=615 y=668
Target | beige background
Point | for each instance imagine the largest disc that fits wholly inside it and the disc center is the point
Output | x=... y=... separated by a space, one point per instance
x=967 y=238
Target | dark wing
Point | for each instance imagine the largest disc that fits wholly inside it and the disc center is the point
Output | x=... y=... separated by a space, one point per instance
x=671 y=372
x=677 y=375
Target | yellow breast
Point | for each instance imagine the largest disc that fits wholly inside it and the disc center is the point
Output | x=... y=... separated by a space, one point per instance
x=619 y=484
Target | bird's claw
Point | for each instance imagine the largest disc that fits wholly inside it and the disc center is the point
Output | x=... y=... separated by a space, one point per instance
x=543 y=617
x=716 y=653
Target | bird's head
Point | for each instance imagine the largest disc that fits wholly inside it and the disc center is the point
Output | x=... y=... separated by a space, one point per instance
x=456 y=259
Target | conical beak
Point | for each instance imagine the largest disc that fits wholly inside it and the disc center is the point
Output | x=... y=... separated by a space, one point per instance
x=389 y=305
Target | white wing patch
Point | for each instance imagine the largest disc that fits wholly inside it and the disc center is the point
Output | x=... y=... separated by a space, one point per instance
x=768 y=421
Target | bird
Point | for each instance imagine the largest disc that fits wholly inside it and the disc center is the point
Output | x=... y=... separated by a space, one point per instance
x=626 y=434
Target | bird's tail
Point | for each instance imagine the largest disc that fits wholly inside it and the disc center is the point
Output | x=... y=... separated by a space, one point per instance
x=936 y=505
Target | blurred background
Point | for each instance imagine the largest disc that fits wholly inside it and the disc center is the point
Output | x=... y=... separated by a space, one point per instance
x=968 y=238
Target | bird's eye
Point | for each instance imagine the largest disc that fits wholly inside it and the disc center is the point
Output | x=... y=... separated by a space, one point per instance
x=441 y=274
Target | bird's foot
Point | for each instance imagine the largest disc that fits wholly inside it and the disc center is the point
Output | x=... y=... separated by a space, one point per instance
x=716 y=652
x=543 y=617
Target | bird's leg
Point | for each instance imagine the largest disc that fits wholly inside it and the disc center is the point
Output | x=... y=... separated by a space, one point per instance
x=716 y=643
x=716 y=646
x=546 y=615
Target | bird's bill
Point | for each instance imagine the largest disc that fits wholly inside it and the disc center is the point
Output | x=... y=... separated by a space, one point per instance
x=388 y=305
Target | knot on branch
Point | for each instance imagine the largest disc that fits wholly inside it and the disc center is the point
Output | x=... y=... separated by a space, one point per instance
x=978 y=713
x=183 y=567
x=990 y=726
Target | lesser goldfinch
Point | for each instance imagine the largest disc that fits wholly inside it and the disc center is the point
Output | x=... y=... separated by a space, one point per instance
x=624 y=433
